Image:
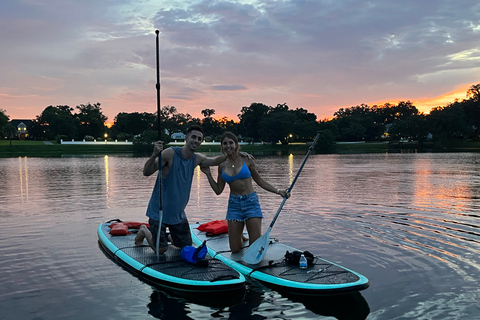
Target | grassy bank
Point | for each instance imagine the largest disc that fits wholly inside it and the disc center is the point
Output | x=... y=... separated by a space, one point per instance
x=53 y=149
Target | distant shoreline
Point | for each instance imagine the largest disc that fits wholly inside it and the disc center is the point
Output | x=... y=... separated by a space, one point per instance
x=52 y=149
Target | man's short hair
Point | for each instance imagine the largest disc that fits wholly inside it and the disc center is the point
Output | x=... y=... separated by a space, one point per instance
x=195 y=127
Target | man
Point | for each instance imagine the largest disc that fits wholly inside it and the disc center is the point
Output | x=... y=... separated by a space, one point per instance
x=178 y=166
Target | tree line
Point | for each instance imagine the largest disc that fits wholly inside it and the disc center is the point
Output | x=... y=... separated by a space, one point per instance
x=259 y=122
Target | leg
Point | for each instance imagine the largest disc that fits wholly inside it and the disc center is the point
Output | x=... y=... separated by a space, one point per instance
x=180 y=234
x=254 y=228
x=235 y=233
x=143 y=233
x=151 y=236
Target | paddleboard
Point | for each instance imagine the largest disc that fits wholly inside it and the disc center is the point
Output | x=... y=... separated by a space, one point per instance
x=169 y=271
x=321 y=277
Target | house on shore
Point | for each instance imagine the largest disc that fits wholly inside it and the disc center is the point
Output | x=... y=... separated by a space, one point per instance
x=21 y=126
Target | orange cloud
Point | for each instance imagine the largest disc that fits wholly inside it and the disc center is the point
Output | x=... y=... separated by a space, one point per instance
x=427 y=104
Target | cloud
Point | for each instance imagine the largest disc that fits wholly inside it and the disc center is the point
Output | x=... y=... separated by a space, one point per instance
x=318 y=55
x=229 y=88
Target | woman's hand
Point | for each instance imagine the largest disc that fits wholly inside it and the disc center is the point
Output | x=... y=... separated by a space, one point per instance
x=205 y=169
x=283 y=193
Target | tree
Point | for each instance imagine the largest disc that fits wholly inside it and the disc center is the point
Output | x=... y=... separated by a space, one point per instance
x=173 y=121
x=471 y=107
x=474 y=92
x=277 y=124
x=305 y=125
x=4 y=118
x=448 y=122
x=227 y=124
x=128 y=125
x=250 y=118
x=9 y=131
x=53 y=121
x=326 y=142
x=210 y=126
x=208 y=113
x=411 y=128
x=91 y=120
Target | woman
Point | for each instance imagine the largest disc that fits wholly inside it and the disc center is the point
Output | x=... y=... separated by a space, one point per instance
x=243 y=206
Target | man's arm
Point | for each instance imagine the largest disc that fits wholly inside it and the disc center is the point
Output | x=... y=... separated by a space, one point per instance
x=212 y=161
x=151 y=165
x=215 y=161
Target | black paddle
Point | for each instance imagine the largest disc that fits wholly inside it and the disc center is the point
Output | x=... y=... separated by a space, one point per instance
x=258 y=249
x=160 y=212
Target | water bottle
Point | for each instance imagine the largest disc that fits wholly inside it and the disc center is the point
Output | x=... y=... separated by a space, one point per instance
x=303 y=262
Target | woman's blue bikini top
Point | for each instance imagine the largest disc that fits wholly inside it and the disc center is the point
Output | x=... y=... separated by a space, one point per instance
x=243 y=174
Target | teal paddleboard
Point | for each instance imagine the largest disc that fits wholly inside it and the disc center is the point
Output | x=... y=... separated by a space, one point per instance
x=321 y=277
x=169 y=271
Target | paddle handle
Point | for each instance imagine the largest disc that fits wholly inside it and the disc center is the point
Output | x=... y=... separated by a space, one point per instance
x=294 y=180
x=160 y=180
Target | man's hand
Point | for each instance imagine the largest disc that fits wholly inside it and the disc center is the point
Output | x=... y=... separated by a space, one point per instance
x=157 y=148
x=244 y=154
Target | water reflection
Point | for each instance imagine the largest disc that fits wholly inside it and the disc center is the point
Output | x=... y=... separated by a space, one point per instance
x=23 y=178
x=258 y=302
x=107 y=181
x=290 y=168
x=402 y=220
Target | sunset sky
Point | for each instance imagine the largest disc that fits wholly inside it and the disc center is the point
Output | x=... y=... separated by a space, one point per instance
x=320 y=55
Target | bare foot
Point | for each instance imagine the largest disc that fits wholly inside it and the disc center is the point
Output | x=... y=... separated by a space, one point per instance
x=139 y=240
x=244 y=238
x=140 y=236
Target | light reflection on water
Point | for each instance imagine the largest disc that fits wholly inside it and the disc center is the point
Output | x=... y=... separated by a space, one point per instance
x=409 y=222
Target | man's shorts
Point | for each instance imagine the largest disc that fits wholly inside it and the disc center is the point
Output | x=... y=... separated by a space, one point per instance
x=243 y=207
x=180 y=233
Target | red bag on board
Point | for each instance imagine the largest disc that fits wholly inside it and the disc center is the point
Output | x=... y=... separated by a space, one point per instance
x=121 y=228
x=118 y=229
x=214 y=227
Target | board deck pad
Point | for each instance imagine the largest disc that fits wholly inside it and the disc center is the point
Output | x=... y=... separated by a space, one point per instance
x=322 y=277
x=168 y=270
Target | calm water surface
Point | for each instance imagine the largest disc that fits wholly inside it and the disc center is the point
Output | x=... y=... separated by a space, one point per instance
x=408 y=222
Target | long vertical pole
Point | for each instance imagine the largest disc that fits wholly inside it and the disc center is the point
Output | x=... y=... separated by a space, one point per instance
x=160 y=211
x=158 y=86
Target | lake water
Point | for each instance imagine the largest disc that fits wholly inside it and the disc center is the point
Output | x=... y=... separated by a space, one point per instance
x=408 y=222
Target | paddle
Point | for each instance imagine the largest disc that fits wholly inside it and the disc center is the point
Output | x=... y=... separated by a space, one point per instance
x=258 y=249
x=159 y=177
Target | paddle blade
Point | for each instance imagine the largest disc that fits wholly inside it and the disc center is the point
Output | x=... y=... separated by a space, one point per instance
x=257 y=250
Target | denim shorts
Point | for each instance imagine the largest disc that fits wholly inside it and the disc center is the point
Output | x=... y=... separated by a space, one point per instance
x=243 y=207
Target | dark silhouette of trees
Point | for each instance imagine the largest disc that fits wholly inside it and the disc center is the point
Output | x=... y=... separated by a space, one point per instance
x=4 y=118
x=173 y=121
x=91 y=120
x=259 y=122
x=128 y=125
x=211 y=126
x=55 y=121
x=250 y=119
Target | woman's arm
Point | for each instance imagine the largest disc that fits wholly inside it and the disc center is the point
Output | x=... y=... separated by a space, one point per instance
x=217 y=186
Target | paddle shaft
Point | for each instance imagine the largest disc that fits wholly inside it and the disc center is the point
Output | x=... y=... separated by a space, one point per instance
x=258 y=249
x=293 y=182
x=160 y=211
